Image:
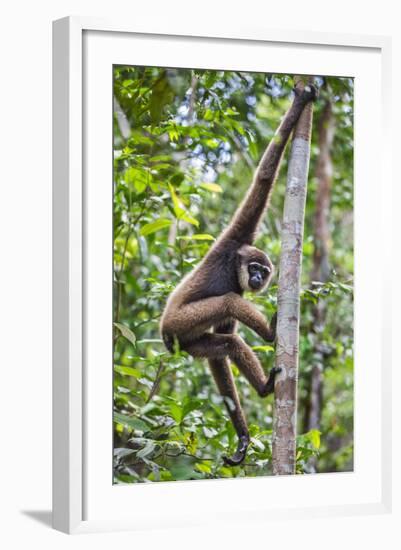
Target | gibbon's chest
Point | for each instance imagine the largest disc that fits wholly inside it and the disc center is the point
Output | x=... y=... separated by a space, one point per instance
x=217 y=277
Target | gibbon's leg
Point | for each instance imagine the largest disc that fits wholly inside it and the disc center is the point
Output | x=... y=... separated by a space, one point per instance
x=224 y=379
x=219 y=346
x=192 y=320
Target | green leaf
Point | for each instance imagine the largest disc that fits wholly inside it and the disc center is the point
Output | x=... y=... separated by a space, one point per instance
x=121 y=452
x=346 y=288
x=209 y=432
x=212 y=143
x=130 y=421
x=126 y=332
x=175 y=412
x=208 y=114
x=147 y=450
x=210 y=78
x=232 y=112
x=258 y=444
x=196 y=237
x=179 y=211
x=263 y=348
x=152 y=227
x=160 y=158
x=127 y=371
x=189 y=405
x=176 y=202
x=204 y=468
x=189 y=219
x=162 y=94
x=314 y=438
x=126 y=83
x=150 y=341
x=173 y=134
x=214 y=187
x=138 y=177
x=254 y=151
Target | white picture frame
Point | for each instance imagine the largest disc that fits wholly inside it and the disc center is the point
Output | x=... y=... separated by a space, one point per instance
x=80 y=483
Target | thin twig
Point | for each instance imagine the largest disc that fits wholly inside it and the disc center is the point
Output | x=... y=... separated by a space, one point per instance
x=146 y=322
x=156 y=383
x=201 y=459
x=131 y=226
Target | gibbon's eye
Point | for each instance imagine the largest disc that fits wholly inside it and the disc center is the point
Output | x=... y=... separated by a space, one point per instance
x=255 y=267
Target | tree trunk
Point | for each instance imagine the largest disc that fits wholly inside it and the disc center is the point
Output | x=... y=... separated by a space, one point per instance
x=324 y=171
x=285 y=402
x=321 y=266
x=122 y=121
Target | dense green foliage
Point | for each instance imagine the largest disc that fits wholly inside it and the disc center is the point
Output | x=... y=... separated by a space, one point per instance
x=186 y=144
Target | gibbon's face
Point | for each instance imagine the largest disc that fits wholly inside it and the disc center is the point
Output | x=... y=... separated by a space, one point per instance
x=255 y=270
x=258 y=275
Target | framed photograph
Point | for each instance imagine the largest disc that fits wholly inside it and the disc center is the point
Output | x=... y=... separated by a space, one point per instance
x=219 y=319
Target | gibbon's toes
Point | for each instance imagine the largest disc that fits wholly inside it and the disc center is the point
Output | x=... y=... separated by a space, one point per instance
x=239 y=454
x=235 y=460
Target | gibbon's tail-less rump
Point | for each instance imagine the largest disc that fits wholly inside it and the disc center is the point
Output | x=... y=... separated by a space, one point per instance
x=202 y=313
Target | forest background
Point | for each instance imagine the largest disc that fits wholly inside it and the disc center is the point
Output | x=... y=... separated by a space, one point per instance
x=186 y=145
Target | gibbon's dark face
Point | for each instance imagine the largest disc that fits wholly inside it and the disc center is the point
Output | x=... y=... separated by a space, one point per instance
x=258 y=275
x=255 y=269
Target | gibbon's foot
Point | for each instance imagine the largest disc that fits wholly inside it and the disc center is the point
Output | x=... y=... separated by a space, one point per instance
x=269 y=388
x=239 y=454
x=310 y=92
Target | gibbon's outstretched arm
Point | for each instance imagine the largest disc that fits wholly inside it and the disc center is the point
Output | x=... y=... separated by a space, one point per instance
x=244 y=225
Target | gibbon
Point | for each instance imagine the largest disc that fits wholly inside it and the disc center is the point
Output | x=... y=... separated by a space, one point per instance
x=202 y=313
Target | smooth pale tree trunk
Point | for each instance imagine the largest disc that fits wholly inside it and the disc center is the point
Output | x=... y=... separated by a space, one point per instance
x=122 y=121
x=287 y=344
x=321 y=267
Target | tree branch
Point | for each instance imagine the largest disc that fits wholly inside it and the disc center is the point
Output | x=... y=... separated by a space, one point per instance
x=287 y=347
